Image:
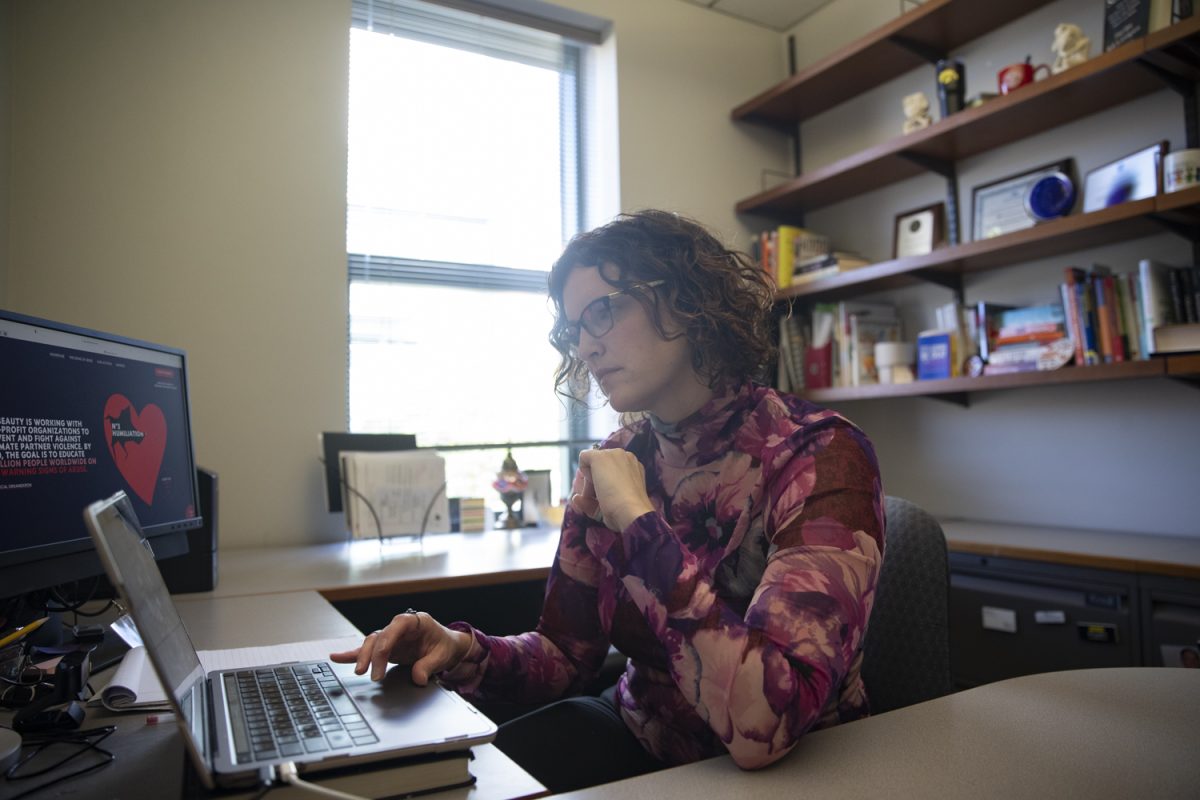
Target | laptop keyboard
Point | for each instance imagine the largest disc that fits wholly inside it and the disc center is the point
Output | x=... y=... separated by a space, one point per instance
x=290 y=711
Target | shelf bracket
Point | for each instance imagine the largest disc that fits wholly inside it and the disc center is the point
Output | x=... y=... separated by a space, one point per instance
x=1189 y=232
x=930 y=54
x=954 y=398
x=1192 y=381
x=950 y=280
x=1186 y=89
x=940 y=166
x=946 y=169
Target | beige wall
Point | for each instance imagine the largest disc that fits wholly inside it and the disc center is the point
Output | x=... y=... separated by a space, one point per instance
x=1120 y=456
x=178 y=175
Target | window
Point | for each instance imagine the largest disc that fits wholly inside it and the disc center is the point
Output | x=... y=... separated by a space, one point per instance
x=466 y=177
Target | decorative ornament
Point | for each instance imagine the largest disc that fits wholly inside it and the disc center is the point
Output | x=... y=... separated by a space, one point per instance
x=510 y=483
x=1070 y=47
x=916 y=112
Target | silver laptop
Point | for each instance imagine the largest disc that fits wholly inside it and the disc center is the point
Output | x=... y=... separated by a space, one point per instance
x=329 y=717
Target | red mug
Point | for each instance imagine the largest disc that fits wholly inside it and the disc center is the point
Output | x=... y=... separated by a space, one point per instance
x=1014 y=76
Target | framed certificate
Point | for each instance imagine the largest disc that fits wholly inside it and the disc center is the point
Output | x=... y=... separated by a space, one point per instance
x=919 y=231
x=1134 y=177
x=1002 y=206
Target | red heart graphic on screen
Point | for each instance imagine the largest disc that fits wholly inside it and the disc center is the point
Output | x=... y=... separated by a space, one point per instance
x=136 y=442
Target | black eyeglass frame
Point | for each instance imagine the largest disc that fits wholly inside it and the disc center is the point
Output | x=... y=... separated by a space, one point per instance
x=568 y=337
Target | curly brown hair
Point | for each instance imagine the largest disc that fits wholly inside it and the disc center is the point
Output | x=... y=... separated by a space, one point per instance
x=718 y=297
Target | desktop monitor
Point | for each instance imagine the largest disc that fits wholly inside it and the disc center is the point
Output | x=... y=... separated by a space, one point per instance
x=83 y=414
x=333 y=444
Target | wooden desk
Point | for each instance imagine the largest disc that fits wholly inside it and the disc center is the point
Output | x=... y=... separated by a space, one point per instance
x=1115 y=733
x=150 y=759
x=367 y=569
x=1176 y=556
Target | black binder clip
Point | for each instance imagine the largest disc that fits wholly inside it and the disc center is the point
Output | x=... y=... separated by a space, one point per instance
x=70 y=677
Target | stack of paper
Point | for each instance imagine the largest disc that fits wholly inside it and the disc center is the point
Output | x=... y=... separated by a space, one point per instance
x=399 y=493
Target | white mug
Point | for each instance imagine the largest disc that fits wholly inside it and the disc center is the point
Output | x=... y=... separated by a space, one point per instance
x=1181 y=169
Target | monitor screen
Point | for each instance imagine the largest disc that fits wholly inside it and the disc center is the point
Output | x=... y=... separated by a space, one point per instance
x=82 y=415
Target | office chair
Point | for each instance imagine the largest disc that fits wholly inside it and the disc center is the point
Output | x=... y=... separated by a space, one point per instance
x=906 y=653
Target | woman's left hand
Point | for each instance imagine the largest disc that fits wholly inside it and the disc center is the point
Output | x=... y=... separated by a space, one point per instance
x=611 y=487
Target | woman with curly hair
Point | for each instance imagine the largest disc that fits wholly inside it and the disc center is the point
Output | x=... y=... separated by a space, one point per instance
x=727 y=538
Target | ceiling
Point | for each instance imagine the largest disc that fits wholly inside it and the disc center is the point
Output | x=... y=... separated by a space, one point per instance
x=779 y=15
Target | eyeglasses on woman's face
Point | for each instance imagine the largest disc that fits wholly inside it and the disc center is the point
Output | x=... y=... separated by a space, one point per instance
x=597 y=317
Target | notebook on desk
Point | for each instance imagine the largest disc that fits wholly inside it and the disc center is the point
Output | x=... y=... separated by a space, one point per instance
x=318 y=715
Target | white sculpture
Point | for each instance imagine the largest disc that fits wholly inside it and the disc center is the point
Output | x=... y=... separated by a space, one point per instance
x=916 y=112
x=1070 y=47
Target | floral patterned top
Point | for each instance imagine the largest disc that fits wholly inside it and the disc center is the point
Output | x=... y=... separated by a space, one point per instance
x=741 y=601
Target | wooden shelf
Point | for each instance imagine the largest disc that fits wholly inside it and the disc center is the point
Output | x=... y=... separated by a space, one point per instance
x=937 y=27
x=1068 y=234
x=1186 y=365
x=1107 y=80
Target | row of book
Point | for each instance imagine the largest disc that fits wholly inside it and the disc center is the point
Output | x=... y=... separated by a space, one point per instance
x=1126 y=316
x=833 y=344
x=1102 y=317
x=792 y=255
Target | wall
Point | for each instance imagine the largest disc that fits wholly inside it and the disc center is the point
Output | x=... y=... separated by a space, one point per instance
x=179 y=176
x=680 y=71
x=1120 y=456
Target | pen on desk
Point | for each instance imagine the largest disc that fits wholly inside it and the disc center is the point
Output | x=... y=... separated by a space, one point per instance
x=21 y=633
x=160 y=719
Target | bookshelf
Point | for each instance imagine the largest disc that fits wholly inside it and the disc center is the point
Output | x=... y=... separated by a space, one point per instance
x=1166 y=58
x=1102 y=82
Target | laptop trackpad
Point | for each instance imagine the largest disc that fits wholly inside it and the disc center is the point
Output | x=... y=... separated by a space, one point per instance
x=424 y=715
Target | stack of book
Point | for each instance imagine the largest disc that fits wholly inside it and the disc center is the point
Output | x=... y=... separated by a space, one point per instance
x=793 y=255
x=1023 y=339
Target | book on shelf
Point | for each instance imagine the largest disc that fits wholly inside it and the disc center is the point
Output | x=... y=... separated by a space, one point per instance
x=1076 y=293
x=1031 y=357
x=986 y=328
x=818 y=356
x=865 y=333
x=1183 y=337
x=826 y=266
x=937 y=354
x=1167 y=299
x=846 y=346
x=1030 y=324
x=794 y=244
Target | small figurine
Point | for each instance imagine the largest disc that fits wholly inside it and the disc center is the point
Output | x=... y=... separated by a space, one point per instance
x=510 y=483
x=1070 y=47
x=916 y=112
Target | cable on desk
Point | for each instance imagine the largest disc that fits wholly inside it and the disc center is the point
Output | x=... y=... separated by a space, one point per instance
x=288 y=774
x=89 y=739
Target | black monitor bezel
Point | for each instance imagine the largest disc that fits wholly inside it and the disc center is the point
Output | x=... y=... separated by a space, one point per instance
x=28 y=569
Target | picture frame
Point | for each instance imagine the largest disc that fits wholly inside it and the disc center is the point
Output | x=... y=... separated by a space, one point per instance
x=1001 y=206
x=919 y=231
x=1132 y=177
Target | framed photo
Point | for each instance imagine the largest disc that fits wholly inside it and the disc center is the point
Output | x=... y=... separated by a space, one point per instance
x=919 y=231
x=1134 y=177
x=1002 y=206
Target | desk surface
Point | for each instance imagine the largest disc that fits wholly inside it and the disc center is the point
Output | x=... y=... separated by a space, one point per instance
x=1111 y=733
x=150 y=758
x=353 y=570
x=1177 y=556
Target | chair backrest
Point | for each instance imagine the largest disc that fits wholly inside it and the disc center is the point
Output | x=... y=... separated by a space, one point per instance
x=906 y=653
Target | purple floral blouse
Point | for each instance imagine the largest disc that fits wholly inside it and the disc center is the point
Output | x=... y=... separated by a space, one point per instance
x=741 y=601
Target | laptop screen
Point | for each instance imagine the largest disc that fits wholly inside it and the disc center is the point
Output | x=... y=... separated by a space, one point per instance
x=132 y=570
